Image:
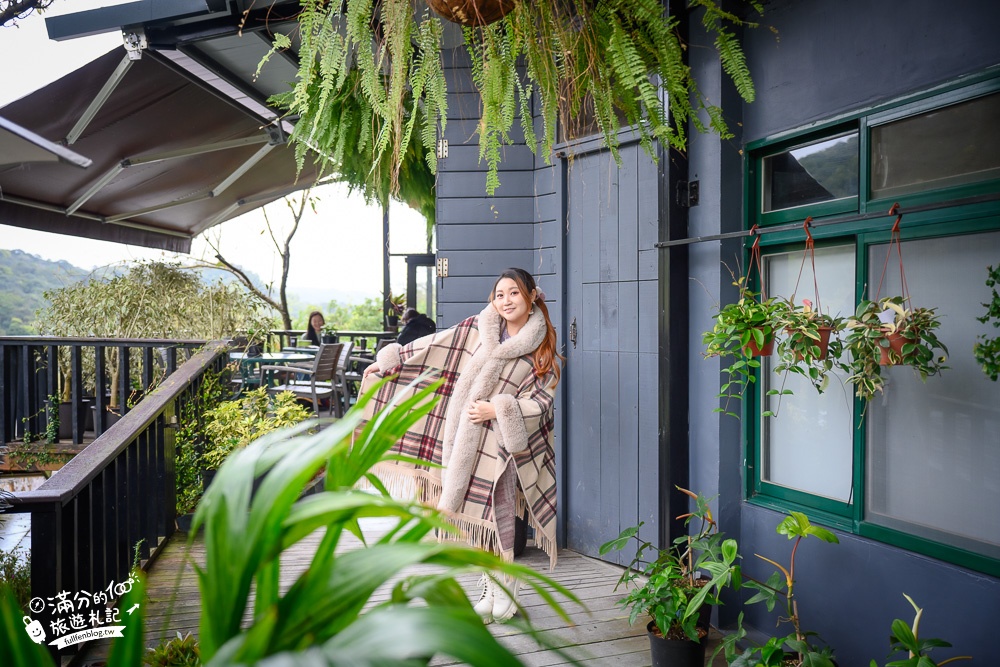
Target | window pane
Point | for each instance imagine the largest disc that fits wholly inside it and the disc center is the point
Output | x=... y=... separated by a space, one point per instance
x=808 y=446
x=951 y=146
x=819 y=172
x=934 y=449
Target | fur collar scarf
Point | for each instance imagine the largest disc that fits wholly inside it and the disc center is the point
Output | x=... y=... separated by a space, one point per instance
x=478 y=380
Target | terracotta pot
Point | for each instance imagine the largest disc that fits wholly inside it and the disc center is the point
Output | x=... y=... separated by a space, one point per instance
x=823 y=343
x=896 y=342
x=471 y=12
x=765 y=350
x=674 y=652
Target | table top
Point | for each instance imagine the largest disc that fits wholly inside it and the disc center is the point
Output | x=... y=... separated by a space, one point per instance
x=271 y=357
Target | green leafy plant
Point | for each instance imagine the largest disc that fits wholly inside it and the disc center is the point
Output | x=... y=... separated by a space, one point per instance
x=235 y=424
x=810 y=346
x=17 y=648
x=52 y=419
x=905 y=637
x=179 y=651
x=748 y=322
x=666 y=588
x=29 y=453
x=987 y=350
x=326 y=615
x=190 y=438
x=15 y=571
x=781 y=585
x=886 y=331
x=371 y=76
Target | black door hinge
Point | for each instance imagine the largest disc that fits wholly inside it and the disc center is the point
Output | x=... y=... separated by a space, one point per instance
x=687 y=193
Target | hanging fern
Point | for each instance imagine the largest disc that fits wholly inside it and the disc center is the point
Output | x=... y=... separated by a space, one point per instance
x=371 y=95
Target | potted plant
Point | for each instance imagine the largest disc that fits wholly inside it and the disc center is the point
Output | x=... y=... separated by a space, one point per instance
x=557 y=60
x=396 y=306
x=810 y=346
x=665 y=587
x=886 y=333
x=234 y=424
x=796 y=649
x=986 y=349
x=744 y=330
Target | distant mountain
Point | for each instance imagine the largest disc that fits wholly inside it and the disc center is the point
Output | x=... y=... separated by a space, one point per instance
x=23 y=279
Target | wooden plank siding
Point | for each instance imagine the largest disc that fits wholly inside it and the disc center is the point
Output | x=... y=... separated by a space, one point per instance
x=586 y=228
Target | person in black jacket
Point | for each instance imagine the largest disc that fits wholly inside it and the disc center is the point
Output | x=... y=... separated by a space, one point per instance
x=415 y=325
x=314 y=334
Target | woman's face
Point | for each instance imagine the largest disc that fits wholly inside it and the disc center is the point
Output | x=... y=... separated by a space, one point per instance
x=316 y=322
x=512 y=304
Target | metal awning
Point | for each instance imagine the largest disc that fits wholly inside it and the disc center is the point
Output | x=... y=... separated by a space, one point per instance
x=179 y=141
x=19 y=145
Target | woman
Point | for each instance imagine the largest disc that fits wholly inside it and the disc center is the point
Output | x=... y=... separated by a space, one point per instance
x=315 y=332
x=492 y=430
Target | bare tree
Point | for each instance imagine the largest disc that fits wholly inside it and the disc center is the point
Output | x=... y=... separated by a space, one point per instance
x=11 y=11
x=298 y=209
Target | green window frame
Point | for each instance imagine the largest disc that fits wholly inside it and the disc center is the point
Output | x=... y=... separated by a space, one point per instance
x=864 y=222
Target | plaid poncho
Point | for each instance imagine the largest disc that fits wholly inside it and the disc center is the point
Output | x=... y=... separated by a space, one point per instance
x=475 y=365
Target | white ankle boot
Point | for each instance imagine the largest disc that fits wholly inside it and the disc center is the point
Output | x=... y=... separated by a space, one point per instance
x=504 y=605
x=485 y=605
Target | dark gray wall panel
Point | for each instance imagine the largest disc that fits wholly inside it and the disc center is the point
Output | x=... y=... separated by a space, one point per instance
x=548 y=207
x=450 y=314
x=628 y=316
x=855 y=61
x=589 y=318
x=466 y=158
x=548 y=234
x=628 y=214
x=607 y=192
x=472 y=183
x=463 y=105
x=649 y=316
x=649 y=447
x=479 y=263
x=546 y=178
x=491 y=210
x=478 y=237
x=583 y=493
x=649 y=263
x=610 y=448
x=608 y=307
x=628 y=437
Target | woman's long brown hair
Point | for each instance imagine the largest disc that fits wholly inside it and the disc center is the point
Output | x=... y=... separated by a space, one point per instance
x=546 y=355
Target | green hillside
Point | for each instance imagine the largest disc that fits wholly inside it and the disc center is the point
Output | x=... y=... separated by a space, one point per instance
x=23 y=279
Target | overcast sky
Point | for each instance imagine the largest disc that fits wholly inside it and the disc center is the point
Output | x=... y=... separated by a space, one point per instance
x=338 y=248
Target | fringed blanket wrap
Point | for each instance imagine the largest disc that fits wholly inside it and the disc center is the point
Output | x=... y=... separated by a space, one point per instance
x=476 y=366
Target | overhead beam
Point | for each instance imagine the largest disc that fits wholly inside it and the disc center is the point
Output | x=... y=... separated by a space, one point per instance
x=120 y=220
x=102 y=96
x=110 y=19
x=240 y=170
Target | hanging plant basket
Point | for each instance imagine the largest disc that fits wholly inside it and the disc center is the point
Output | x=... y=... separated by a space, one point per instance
x=823 y=344
x=892 y=354
x=753 y=349
x=471 y=12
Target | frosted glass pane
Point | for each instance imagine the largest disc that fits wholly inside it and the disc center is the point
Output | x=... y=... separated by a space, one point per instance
x=808 y=446
x=934 y=449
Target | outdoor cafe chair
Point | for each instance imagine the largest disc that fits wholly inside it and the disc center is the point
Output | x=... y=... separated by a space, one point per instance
x=341 y=385
x=321 y=380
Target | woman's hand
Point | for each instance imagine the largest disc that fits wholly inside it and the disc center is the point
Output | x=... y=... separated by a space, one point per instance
x=481 y=411
x=369 y=369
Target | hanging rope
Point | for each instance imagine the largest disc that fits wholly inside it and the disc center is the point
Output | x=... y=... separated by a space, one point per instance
x=810 y=251
x=755 y=260
x=895 y=238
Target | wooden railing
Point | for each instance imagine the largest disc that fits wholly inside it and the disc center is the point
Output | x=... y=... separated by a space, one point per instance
x=113 y=503
x=30 y=374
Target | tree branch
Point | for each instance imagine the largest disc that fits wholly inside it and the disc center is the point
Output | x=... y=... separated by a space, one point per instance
x=11 y=10
x=245 y=279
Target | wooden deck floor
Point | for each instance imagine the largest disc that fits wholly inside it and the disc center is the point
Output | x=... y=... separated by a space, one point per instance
x=599 y=636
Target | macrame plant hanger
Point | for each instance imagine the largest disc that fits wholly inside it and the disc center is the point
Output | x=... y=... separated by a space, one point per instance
x=894 y=239
x=810 y=252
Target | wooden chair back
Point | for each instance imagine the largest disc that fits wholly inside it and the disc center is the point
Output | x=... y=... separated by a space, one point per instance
x=328 y=360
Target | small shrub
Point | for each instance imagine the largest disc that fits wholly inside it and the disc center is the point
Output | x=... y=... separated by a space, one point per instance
x=177 y=652
x=15 y=571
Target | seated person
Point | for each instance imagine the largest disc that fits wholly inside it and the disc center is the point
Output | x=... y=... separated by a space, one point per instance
x=415 y=325
x=315 y=332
